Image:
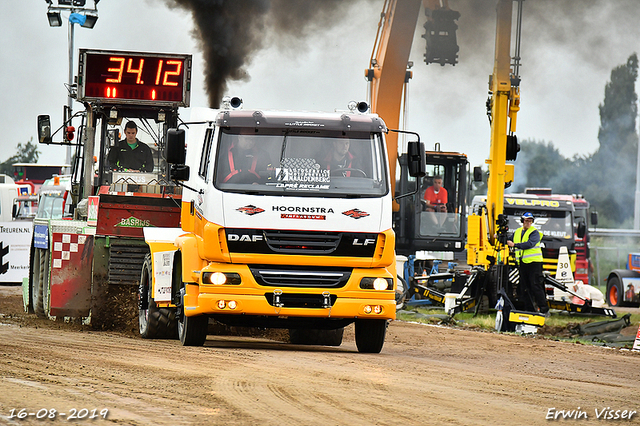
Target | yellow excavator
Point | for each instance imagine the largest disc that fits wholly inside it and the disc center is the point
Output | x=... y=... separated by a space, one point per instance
x=482 y=233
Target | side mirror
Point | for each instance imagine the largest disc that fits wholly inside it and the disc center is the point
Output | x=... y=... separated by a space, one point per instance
x=44 y=129
x=582 y=229
x=417 y=159
x=14 y=212
x=594 y=218
x=477 y=174
x=175 y=150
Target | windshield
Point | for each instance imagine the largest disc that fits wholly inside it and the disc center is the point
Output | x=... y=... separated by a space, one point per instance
x=553 y=224
x=439 y=210
x=301 y=162
x=26 y=209
x=51 y=206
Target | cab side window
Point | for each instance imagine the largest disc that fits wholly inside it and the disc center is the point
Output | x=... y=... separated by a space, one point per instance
x=205 y=158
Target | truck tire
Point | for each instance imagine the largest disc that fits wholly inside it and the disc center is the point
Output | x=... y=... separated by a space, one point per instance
x=615 y=292
x=46 y=283
x=35 y=285
x=316 y=336
x=32 y=270
x=154 y=322
x=370 y=335
x=41 y=284
x=192 y=331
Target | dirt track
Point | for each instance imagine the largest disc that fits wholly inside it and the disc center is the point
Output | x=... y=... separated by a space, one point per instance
x=424 y=375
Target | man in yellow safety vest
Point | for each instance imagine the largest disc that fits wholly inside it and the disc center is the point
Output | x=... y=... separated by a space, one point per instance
x=526 y=241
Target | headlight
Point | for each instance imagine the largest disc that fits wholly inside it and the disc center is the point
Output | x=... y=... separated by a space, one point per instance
x=370 y=283
x=219 y=278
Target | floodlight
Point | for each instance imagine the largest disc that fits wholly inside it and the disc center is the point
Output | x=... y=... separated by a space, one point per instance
x=91 y=20
x=55 y=20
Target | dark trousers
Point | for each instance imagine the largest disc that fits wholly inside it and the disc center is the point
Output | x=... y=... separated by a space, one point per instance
x=531 y=288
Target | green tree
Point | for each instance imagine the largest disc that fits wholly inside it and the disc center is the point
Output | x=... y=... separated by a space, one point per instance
x=613 y=167
x=606 y=178
x=539 y=165
x=25 y=153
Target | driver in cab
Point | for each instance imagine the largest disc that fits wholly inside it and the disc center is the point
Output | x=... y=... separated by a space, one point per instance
x=339 y=157
x=130 y=154
x=243 y=161
x=436 y=197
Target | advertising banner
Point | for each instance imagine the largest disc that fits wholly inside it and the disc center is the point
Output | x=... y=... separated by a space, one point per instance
x=15 y=243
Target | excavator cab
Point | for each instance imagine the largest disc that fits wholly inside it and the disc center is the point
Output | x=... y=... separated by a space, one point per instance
x=434 y=218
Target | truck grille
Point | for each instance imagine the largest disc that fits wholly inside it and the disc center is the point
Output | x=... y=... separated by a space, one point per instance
x=125 y=262
x=301 y=242
x=300 y=277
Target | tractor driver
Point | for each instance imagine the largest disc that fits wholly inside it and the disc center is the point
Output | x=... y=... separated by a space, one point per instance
x=130 y=154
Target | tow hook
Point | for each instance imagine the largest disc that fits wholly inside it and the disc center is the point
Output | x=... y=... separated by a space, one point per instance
x=326 y=301
x=277 y=302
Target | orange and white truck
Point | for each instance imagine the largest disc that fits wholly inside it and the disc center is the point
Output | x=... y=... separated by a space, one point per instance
x=287 y=239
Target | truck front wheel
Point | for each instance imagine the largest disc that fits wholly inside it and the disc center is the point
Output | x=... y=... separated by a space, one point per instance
x=154 y=322
x=192 y=331
x=370 y=335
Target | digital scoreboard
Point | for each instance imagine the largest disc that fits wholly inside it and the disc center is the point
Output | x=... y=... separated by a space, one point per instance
x=141 y=78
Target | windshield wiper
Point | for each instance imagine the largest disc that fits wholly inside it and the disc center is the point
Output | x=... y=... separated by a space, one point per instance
x=282 y=151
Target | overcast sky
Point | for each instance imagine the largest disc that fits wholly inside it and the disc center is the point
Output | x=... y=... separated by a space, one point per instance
x=568 y=50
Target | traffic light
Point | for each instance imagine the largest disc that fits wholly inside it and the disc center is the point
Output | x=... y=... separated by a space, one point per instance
x=442 y=44
x=69 y=133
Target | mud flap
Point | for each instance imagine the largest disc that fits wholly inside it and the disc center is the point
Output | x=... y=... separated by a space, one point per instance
x=71 y=265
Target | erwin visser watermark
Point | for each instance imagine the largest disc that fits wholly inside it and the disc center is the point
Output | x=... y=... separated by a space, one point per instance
x=604 y=413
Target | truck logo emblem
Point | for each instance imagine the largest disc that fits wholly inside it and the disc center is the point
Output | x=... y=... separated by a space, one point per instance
x=366 y=242
x=250 y=210
x=244 y=238
x=355 y=213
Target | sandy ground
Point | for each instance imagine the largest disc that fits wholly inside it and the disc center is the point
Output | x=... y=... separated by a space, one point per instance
x=424 y=375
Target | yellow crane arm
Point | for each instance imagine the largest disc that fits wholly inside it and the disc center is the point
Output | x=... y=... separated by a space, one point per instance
x=500 y=87
x=504 y=103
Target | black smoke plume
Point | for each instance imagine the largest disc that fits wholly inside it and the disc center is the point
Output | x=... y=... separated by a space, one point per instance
x=229 y=32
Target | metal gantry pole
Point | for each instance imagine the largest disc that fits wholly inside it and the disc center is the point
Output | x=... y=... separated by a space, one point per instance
x=70 y=99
